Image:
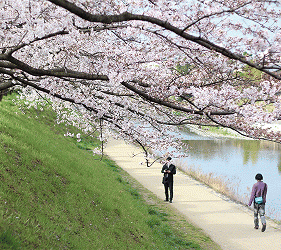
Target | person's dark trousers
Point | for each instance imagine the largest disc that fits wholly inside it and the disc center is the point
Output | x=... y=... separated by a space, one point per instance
x=168 y=186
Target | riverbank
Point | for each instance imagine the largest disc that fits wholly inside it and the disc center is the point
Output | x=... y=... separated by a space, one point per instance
x=215 y=133
x=226 y=222
x=221 y=132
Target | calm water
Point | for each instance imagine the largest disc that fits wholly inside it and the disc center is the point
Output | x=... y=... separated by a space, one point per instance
x=239 y=161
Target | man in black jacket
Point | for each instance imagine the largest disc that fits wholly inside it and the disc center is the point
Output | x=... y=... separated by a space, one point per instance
x=169 y=170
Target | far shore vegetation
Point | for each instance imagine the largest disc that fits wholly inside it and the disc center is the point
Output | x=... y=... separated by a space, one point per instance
x=55 y=194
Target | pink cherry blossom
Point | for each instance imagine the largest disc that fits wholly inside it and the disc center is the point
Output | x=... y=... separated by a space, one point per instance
x=142 y=69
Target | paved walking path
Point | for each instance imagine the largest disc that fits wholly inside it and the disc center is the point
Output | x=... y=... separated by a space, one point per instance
x=227 y=223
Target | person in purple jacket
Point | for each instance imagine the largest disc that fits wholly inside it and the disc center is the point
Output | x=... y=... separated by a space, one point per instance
x=258 y=196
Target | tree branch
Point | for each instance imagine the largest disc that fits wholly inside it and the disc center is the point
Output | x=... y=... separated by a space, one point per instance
x=168 y=104
x=6 y=85
x=51 y=72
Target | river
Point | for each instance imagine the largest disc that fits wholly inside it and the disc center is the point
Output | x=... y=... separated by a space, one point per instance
x=239 y=160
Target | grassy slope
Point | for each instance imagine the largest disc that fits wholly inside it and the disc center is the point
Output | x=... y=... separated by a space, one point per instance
x=54 y=195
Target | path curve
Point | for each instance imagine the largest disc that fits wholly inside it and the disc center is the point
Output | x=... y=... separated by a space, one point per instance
x=227 y=223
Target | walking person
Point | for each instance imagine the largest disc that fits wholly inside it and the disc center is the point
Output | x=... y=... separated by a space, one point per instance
x=169 y=170
x=258 y=196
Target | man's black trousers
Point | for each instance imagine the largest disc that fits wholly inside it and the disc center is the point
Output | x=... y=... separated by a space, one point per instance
x=169 y=186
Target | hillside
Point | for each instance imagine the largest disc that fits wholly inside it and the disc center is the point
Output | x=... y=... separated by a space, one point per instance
x=55 y=195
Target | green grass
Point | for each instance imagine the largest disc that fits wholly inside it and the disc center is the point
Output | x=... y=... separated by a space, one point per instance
x=54 y=195
x=219 y=131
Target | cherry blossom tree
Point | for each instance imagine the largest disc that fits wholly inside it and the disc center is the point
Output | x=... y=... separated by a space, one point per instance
x=145 y=68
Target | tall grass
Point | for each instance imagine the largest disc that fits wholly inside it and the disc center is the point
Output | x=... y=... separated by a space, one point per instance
x=53 y=195
x=219 y=183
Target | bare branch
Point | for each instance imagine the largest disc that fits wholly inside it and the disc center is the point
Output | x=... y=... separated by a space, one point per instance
x=63 y=32
x=214 y=14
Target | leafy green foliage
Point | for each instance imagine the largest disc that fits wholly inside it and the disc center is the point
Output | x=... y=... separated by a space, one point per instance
x=184 y=69
x=251 y=74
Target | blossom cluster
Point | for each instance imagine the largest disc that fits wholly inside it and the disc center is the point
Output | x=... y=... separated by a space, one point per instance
x=145 y=68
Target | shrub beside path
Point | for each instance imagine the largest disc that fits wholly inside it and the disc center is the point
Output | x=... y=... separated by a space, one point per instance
x=229 y=224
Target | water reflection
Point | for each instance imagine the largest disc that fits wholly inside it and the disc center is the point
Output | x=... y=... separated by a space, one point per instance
x=250 y=150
